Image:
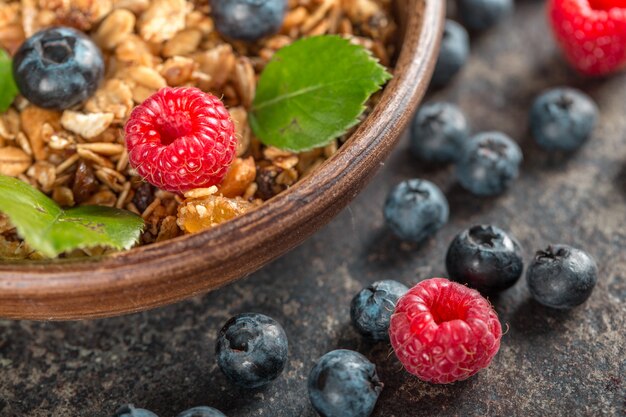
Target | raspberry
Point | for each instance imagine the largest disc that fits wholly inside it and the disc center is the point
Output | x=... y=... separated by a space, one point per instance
x=592 y=33
x=180 y=139
x=444 y=332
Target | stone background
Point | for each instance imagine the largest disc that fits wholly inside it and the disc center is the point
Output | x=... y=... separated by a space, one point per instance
x=551 y=363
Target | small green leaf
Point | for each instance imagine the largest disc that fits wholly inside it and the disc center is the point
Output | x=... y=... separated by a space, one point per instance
x=313 y=91
x=8 y=88
x=51 y=230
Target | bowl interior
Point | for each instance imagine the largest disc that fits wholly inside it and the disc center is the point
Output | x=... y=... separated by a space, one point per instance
x=165 y=272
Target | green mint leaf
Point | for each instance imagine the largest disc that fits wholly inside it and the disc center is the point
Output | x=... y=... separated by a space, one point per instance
x=8 y=88
x=313 y=91
x=51 y=230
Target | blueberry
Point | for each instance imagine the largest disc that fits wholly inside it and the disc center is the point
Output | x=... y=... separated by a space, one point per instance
x=485 y=258
x=453 y=53
x=489 y=164
x=58 y=68
x=562 y=276
x=483 y=14
x=415 y=210
x=248 y=20
x=344 y=383
x=201 y=412
x=129 y=410
x=562 y=119
x=438 y=132
x=251 y=350
x=372 y=307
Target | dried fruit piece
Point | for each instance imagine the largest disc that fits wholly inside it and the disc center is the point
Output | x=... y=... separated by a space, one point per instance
x=84 y=182
x=196 y=215
x=241 y=174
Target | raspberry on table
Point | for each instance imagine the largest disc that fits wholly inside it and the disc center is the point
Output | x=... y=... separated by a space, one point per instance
x=591 y=33
x=444 y=332
x=180 y=139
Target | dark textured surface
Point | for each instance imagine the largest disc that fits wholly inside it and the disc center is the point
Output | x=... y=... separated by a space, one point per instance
x=551 y=363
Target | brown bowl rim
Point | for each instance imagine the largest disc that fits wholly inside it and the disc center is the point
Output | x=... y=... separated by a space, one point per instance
x=76 y=289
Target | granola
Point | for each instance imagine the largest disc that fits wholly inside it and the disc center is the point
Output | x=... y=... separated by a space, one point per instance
x=78 y=156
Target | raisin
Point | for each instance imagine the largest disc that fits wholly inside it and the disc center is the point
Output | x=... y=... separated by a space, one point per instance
x=266 y=180
x=85 y=183
x=144 y=196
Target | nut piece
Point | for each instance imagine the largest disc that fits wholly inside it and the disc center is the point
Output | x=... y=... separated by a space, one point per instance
x=245 y=81
x=135 y=6
x=197 y=193
x=240 y=175
x=134 y=49
x=217 y=63
x=162 y=20
x=13 y=161
x=81 y=14
x=44 y=173
x=86 y=125
x=183 y=43
x=168 y=229
x=242 y=129
x=11 y=29
x=114 y=97
x=63 y=196
x=178 y=70
x=115 y=28
x=147 y=77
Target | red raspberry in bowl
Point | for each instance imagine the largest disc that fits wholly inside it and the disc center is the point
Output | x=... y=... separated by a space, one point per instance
x=180 y=139
x=592 y=33
x=444 y=332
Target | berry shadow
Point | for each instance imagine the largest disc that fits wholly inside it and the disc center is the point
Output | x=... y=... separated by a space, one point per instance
x=351 y=339
x=421 y=395
x=383 y=251
x=405 y=164
x=211 y=389
x=464 y=205
x=533 y=319
x=538 y=160
x=620 y=180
